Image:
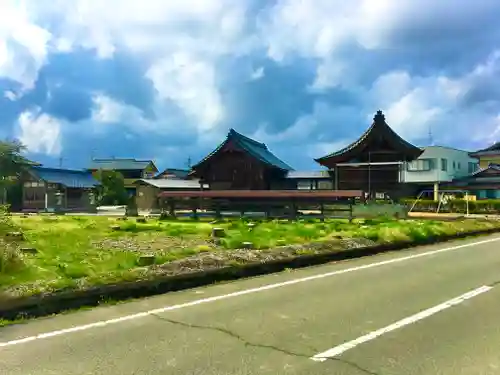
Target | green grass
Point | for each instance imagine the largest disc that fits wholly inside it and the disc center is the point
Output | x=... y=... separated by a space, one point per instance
x=77 y=251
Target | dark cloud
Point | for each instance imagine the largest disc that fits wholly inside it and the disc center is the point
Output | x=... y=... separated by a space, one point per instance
x=120 y=77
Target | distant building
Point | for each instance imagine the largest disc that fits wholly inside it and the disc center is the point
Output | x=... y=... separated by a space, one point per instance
x=374 y=163
x=309 y=180
x=241 y=163
x=484 y=183
x=487 y=156
x=148 y=190
x=439 y=165
x=48 y=189
x=131 y=169
x=173 y=173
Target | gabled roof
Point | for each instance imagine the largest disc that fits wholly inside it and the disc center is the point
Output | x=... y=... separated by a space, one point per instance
x=492 y=150
x=68 y=177
x=121 y=164
x=178 y=173
x=494 y=167
x=379 y=128
x=256 y=149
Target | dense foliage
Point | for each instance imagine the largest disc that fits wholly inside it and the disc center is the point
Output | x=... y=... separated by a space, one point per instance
x=12 y=164
x=112 y=190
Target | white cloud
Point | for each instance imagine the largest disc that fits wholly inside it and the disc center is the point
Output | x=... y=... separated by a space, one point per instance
x=11 y=95
x=23 y=44
x=320 y=29
x=110 y=111
x=257 y=74
x=181 y=41
x=189 y=82
x=40 y=133
x=415 y=105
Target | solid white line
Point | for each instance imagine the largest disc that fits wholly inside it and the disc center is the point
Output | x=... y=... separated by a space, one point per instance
x=338 y=350
x=103 y=323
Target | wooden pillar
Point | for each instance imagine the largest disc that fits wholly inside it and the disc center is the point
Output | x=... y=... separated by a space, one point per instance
x=436 y=191
x=336 y=176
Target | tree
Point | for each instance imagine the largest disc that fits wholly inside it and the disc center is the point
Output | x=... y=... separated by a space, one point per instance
x=112 y=190
x=12 y=164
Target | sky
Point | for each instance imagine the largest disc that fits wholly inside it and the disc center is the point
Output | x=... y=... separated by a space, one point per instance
x=166 y=80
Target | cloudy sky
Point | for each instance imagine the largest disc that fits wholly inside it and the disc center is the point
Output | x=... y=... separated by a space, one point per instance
x=166 y=79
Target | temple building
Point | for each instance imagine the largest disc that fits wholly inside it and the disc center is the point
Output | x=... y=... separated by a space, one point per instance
x=241 y=163
x=374 y=163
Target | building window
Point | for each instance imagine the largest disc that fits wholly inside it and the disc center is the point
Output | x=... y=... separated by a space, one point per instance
x=454 y=165
x=421 y=165
x=459 y=166
x=472 y=167
x=444 y=165
x=305 y=185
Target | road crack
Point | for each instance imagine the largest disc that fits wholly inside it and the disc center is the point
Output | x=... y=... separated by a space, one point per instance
x=262 y=346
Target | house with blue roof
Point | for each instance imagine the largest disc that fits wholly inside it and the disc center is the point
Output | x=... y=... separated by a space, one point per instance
x=131 y=169
x=50 y=189
x=242 y=163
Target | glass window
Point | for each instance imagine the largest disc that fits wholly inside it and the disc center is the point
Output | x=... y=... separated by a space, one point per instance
x=444 y=165
x=304 y=185
x=473 y=167
x=421 y=165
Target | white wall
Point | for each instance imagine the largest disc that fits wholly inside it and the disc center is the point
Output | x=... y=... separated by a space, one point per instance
x=457 y=165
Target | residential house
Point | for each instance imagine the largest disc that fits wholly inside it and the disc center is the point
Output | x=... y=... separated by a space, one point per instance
x=131 y=169
x=487 y=156
x=438 y=165
x=482 y=184
x=241 y=163
x=51 y=189
x=149 y=189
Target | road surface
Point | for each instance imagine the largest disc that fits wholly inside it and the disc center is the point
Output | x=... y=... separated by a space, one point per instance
x=432 y=310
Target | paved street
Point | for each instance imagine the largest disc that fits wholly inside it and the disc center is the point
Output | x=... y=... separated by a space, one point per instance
x=432 y=310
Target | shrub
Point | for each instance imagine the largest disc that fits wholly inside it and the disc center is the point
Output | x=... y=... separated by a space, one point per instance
x=484 y=206
x=10 y=257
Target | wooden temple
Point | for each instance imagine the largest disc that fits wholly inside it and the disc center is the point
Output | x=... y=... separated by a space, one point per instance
x=241 y=163
x=374 y=163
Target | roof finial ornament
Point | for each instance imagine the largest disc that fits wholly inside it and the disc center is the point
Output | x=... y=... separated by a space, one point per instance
x=379 y=116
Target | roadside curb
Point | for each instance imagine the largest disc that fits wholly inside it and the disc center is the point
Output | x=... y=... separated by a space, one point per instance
x=38 y=306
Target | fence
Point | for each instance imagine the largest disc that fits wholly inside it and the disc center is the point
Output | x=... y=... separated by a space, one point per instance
x=271 y=204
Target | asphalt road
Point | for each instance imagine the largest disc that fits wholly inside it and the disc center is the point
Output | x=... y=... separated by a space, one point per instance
x=432 y=310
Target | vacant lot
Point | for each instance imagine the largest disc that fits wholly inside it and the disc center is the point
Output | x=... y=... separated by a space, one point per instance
x=59 y=252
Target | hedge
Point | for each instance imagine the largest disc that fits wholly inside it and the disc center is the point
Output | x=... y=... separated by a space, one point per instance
x=484 y=206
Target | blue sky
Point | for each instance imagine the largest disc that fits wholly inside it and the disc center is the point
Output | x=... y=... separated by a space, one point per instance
x=166 y=79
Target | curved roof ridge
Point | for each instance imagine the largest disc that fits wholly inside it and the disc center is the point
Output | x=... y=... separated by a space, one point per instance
x=378 y=123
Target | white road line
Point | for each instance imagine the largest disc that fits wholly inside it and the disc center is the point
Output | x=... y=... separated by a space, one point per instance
x=103 y=323
x=338 y=350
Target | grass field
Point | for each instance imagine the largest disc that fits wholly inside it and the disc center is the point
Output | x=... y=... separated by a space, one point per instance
x=60 y=252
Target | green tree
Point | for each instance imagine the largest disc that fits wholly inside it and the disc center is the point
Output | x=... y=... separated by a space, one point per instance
x=12 y=163
x=112 y=190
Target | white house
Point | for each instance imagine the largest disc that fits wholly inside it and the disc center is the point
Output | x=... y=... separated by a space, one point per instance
x=439 y=164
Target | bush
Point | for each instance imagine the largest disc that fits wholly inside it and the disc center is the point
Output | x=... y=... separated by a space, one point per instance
x=484 y=206
x=10 y=256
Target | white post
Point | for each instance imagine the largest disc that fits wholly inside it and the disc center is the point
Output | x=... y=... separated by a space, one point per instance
x=467 y=203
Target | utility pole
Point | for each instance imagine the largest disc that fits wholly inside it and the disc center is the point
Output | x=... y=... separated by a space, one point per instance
x=189 y=162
